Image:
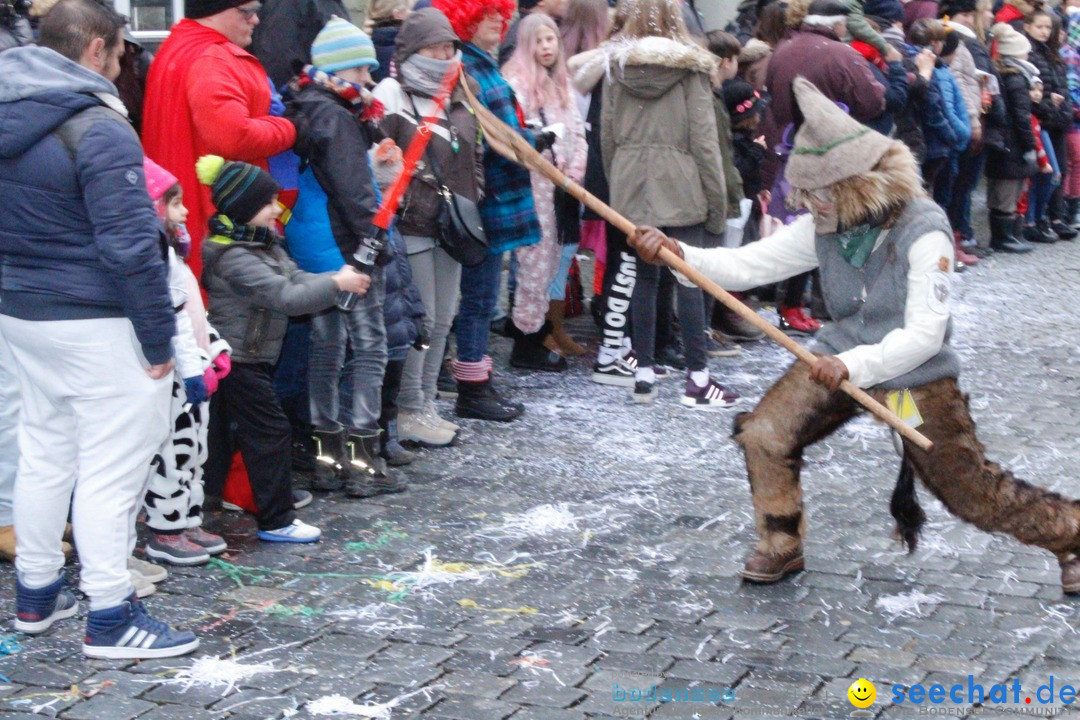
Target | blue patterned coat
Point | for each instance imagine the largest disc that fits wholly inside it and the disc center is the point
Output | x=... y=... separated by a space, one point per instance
x=507 y=209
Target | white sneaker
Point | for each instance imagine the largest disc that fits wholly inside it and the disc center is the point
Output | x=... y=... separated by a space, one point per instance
x=418 y=428
x=148 y=571
x=298 y=532
x=432 y=413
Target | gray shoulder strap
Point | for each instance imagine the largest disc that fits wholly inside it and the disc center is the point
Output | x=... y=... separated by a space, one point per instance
x=72 y=130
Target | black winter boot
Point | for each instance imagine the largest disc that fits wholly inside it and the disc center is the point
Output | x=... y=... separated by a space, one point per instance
x=1002 y=227
x=529 y=352
x=478 y=400
x=1072 y=211
x=329 y=474
x=366 y=473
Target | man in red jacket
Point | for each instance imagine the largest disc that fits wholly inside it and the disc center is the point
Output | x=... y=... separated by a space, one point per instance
x=206 y=95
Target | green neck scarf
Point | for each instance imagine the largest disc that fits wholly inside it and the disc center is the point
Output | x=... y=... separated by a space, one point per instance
x=857 y=244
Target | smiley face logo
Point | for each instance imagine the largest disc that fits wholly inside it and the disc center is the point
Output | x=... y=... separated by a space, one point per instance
x=862 y=693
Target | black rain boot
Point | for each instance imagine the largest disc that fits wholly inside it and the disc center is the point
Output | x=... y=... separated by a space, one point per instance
x=366 y=473
x=329 y=474
x=1047 y=231
x=1001 y=233
x=529 y=352
x=478 y=400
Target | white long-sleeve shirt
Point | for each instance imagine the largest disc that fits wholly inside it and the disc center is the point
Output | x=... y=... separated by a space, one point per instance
x=791 y=251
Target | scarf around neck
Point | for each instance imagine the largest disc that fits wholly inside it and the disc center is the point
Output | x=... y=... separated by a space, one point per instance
x=424 y=75
x=261 y=237
x=361 y=102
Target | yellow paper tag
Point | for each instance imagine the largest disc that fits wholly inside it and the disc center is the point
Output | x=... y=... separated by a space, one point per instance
x=903 y=404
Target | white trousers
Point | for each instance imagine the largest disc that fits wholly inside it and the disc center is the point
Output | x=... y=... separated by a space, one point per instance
x=92 y=420
x=9 y=432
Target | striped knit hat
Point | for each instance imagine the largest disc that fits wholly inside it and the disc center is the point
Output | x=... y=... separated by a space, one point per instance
x=239 y=190
x=341 y=45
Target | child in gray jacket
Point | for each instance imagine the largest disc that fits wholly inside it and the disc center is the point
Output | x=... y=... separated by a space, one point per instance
x=254 y=286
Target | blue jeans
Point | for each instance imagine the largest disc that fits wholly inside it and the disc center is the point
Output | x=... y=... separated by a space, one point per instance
x=362 y=330
x=479 y=293
x=9 y=432
x=1042 y=185
x=970 y=170
x=557 y=288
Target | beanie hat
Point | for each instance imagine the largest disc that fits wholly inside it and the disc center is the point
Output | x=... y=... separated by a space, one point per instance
x=1010 y=42
x=955 y=7
x=341 y=45
x=889 y=10
x=158 y=179
x=526 y=5
x=239 y=190
x=195 y=9
x=421 y=29
x=830 y=145
x=822 y=11
x=741 y=99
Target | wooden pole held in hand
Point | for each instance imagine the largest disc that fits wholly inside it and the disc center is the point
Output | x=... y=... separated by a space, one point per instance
x=507 y=142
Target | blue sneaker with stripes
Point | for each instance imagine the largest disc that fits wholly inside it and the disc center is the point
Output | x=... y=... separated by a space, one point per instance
x=127 y=632
x=36 y=609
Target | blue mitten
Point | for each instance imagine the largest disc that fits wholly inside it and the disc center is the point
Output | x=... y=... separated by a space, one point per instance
x=196 y=389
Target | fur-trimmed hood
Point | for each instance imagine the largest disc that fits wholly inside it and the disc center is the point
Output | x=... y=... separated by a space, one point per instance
x=586 y=70
x=647 y=67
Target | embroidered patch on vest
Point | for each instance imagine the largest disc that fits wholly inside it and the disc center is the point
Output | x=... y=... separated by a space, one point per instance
x=937 y=292
x=943 y=264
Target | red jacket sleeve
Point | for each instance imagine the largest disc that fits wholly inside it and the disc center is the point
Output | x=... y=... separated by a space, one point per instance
x=221 y=111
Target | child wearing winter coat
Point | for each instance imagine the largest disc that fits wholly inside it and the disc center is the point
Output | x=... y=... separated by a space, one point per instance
x=254 y=286
x=174 y=494
x=333 y=223
x=537 y=73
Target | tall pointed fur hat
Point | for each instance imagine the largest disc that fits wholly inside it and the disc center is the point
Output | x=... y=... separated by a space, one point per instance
x=830 y=145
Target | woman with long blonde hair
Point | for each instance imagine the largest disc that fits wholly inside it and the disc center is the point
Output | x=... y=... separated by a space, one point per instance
x=537 y=73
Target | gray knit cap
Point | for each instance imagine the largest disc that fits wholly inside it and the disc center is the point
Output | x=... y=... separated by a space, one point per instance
x=421 y=29
x=830 y=145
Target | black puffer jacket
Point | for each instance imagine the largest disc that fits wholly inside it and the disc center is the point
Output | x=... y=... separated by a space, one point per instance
x=403 y=311
x=285 y=32
x=1053 y=118
x=1008 y=136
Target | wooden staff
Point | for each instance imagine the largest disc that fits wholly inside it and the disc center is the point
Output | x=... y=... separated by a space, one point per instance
x=507 y=142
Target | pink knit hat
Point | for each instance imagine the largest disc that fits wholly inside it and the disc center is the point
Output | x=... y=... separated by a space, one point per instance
x=158 y=179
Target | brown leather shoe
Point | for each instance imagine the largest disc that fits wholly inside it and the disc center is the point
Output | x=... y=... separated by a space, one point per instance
x=7 y=544
x=1070 y=576
x=765 y=569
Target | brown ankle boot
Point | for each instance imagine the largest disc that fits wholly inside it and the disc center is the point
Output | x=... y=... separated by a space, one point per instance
x=765 y=569
x=564 y=343
x=1070 y=576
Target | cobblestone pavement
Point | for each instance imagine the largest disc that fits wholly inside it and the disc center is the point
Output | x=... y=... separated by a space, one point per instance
x=592 y=549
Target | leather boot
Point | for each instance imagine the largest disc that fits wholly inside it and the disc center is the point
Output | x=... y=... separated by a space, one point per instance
x=329 y=460
x=529 y=352
x=767 y=569
x=1001 y=233
x=1070 y=576
x=559 y=340
x=479 y=400
x=366 y=474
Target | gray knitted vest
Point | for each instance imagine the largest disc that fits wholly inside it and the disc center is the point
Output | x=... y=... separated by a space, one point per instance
x=866 y=321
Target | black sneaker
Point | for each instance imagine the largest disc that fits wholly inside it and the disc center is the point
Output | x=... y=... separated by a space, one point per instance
x=712 y=394
x=644 y=391
x=617 y=372
x=301 y=498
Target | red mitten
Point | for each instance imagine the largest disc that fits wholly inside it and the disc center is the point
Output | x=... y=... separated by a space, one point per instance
x=211 y=379
x=222 y=365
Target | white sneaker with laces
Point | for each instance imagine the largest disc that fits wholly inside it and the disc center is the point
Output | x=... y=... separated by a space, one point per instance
x=432 y=412
x=147 y=570
x=420 y=428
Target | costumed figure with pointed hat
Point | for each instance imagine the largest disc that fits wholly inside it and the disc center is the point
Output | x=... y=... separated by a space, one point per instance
x=885 y=254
